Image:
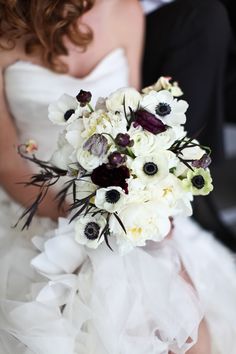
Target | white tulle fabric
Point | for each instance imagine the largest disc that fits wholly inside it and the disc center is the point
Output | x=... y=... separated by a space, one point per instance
x=59 y=297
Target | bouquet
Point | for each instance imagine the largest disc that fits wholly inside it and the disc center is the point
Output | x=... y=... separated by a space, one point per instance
x=129 y=165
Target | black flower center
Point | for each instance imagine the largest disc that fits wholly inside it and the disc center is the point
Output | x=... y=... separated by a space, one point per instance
x=68 y=114
x=162 y=109
x=91 y=230
x=198 y=181
x=150 y=168
x=112 y=196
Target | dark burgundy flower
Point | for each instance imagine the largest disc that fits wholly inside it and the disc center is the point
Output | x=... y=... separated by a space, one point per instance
x=116 y=159
x=123 y=140
x=107 y=176
x=84 y=97
x=203 y=162
x=149 y=122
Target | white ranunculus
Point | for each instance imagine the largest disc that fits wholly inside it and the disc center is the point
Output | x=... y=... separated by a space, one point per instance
x=142 y=222
x=168 y=109
x=128 y=96
x=64 y=111
x=151 y=168
x=88 y=230
x=145 y=143
x=88 y=161
x=110 y=199
x=100 y=122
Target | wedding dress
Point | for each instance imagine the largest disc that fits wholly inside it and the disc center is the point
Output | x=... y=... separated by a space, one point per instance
x=72 y=300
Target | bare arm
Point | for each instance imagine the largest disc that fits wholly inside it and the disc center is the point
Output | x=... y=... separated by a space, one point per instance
x=14 y=169
x=132 y=31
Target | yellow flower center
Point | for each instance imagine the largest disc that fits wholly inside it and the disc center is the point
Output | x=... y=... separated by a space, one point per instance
x=135 y=232
x=167 y=190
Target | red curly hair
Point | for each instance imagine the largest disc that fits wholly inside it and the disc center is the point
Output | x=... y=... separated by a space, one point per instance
x=44 y=23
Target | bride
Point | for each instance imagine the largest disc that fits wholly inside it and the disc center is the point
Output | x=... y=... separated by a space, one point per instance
x=175 y=297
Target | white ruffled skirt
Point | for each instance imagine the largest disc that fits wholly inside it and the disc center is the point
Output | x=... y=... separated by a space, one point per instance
x=59 y=297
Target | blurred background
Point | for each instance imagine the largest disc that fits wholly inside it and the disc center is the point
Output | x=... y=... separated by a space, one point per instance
x=194 y=42
x=225 y=174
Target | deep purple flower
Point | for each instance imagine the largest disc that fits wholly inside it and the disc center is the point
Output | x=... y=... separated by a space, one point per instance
x=107 y=176
x=84 y=97
x=149 y=122
x=203 y=162
x=123 y=140
x=116 y=159
x=97 y=145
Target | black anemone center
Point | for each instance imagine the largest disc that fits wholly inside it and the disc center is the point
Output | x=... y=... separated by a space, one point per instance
x=112 y=196
x=68 y=114
x=91 y=230
x=150 y=168
x=198 y=181
x=162 y=109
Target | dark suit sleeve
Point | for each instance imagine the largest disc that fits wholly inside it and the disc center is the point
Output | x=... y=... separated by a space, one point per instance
x=189 y=40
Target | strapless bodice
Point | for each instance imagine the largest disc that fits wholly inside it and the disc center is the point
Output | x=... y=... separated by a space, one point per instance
x=30 y=88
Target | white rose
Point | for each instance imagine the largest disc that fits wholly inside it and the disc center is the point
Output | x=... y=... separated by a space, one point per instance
x=128 y=96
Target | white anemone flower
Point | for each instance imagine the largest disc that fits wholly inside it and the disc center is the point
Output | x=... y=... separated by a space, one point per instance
x=151 y=169
x=88 y=230
x=124 y=96
x=168 y=109
x=110 y=199
x=64 y=111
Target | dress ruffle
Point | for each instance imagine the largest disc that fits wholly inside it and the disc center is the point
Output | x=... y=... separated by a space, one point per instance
x=80 y=301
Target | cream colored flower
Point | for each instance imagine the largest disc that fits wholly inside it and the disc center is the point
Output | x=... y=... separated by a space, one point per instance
x=124 y=96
